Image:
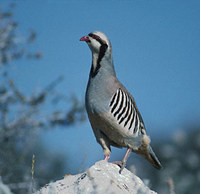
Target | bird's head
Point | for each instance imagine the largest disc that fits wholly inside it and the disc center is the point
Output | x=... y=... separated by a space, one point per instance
x=98 y=42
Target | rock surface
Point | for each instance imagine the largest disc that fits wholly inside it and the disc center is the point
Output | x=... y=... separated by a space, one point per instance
x=101 y=178
x=4 y=189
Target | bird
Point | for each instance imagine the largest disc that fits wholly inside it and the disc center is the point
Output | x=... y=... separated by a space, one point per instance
x=112 y=111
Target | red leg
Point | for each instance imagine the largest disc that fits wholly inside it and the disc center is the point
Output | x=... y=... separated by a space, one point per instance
x=128 y=151
x=106 y=158
x=122 y=163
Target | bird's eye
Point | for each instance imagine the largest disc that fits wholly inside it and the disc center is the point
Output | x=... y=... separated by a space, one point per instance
x=94 y=36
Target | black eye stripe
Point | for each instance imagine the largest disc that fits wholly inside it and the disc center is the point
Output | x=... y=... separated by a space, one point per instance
x=97 y=38
x=94 y=36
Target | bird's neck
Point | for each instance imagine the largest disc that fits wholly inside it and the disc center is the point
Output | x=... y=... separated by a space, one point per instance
x=95 y=65
x=102 y=62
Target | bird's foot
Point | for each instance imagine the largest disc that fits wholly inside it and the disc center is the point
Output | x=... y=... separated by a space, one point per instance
x=121 y=164
x=106 y=158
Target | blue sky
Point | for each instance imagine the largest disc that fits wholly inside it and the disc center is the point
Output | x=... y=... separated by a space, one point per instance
x=156 y=50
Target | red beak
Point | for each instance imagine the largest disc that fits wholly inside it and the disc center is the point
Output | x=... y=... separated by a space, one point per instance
x=85 y=38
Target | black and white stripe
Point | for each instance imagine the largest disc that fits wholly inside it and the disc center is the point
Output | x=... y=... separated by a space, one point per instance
x=102 y=51
x=125 y=112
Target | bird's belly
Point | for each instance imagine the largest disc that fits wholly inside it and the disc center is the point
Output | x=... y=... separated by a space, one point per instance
x=113 y=132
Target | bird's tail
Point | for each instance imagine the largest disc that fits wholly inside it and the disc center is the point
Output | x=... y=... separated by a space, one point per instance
x=151 y=157
x=147 y=152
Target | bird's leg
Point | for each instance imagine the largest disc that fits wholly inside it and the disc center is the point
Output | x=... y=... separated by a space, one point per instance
x=107 y=156
x=128 y=151
x=122 y=163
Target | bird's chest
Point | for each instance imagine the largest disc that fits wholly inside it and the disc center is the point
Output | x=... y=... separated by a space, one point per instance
x=98 y=95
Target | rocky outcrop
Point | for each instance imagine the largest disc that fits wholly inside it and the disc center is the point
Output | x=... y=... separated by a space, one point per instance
x=101 y=178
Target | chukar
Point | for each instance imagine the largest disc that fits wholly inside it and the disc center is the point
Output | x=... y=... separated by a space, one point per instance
x=111 y=109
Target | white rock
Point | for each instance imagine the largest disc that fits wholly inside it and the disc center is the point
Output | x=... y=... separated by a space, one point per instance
x=101 y=178
x=4 y=189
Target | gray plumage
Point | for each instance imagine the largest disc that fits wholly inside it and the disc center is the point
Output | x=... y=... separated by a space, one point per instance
x=111 y=109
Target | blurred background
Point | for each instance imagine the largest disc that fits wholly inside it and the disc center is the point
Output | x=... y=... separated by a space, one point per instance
x=44 y=130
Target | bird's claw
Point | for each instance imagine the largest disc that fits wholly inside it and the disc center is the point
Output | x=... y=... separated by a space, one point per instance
x=121 y=164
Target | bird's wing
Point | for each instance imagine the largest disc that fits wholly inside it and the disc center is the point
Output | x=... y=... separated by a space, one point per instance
x=124 y=110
